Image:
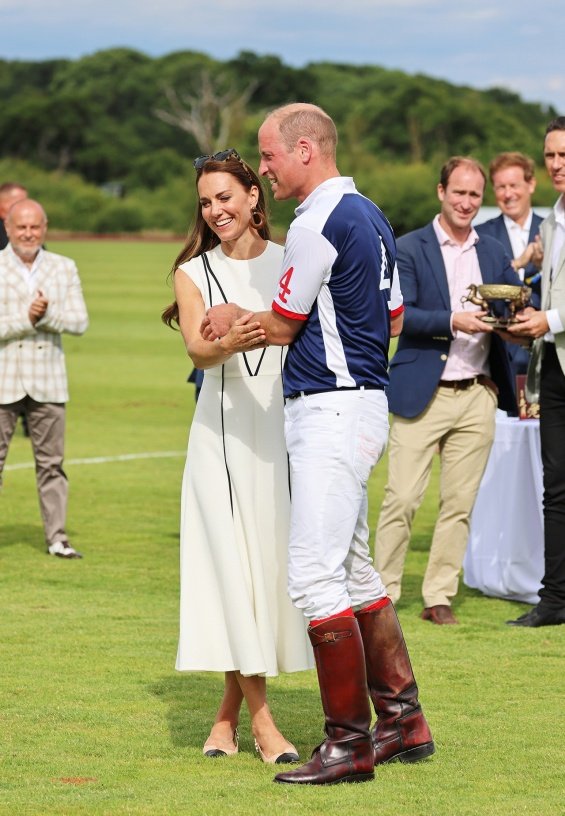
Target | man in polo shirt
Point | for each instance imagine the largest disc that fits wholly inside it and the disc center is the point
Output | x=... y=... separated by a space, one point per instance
x=335 y=306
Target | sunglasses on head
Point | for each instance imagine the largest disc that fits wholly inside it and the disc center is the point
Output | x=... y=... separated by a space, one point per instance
x=223 y=155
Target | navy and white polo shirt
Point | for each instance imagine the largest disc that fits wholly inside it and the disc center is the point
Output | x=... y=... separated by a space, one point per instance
x=338 y=278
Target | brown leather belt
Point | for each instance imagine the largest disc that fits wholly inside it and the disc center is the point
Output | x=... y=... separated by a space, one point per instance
x=462 y=385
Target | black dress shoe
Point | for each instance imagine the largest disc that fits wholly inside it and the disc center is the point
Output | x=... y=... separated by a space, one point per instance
x=538 y=616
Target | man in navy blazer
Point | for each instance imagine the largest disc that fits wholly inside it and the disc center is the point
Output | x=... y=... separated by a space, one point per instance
x=449 y=374
x=513 y=179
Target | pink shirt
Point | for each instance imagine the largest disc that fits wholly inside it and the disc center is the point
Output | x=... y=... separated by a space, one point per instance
x=468 y=353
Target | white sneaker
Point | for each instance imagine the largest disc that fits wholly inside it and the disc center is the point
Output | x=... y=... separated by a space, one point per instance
x=63 y=550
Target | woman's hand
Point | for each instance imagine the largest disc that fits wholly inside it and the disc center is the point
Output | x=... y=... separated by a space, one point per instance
x=244 y=335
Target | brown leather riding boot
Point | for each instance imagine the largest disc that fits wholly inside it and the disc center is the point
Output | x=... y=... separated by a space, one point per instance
x=347 y=753
x=401 y=731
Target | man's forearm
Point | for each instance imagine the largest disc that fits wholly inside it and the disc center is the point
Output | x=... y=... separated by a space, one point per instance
x=279 y=330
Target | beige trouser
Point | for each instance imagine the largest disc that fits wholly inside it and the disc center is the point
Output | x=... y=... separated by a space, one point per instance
x=46 y=425
x=461 y=424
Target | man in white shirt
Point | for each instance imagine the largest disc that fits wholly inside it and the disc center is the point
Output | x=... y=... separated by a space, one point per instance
x=40 y=299
x=546 y=376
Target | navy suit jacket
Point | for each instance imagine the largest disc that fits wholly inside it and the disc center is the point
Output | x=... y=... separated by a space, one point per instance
x=423 y=346
x=496 y=228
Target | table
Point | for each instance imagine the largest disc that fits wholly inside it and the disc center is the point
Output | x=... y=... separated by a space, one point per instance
x=504 y=556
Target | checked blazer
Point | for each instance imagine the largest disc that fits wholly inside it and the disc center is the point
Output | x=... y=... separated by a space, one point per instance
x=32 y=360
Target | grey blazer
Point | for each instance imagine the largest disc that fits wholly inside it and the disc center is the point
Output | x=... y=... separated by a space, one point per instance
x=552 y=297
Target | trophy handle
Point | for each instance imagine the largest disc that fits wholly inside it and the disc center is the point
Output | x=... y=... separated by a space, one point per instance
x=474 y=297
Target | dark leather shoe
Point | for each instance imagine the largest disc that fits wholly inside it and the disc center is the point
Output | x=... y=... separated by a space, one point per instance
x=347 y=753
x=334 y=762
x=401 y=731
x=440 y=614
x=408 y=739
x=538 y=616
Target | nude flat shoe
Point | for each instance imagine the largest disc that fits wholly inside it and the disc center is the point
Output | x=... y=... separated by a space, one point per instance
x=286 y=758
x=212 y=751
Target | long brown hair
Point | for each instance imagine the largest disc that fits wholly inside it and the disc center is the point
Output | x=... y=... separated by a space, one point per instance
x=201 y=238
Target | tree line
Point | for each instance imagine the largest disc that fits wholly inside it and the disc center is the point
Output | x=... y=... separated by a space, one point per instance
x=107 y=141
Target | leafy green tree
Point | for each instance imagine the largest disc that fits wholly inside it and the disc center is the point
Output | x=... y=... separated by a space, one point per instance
x=88 y=123
x=274 y=82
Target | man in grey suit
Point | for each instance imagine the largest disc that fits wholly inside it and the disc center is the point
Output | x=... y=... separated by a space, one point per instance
x=513 y=179
x=547 y=370
x=40 y=299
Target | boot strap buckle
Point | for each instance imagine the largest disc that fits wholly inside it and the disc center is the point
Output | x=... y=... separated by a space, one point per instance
x=330 y=637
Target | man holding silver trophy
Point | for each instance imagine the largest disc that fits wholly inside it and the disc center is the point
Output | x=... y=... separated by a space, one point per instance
x=447 y=378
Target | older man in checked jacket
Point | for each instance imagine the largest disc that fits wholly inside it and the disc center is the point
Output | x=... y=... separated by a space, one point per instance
x=40 y=299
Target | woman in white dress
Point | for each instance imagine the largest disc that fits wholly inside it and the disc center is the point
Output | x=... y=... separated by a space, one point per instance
x=235 y=615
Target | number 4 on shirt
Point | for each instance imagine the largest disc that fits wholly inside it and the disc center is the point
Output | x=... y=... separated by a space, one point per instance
x=284 y=284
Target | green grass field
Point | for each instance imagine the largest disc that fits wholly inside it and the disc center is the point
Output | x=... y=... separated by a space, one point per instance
x=95 y=720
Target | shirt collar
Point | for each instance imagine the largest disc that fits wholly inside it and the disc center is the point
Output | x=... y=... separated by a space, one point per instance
x=513 y=225
x=36 y=261
x=342 y=184
x=559 y=210
x=445 y=240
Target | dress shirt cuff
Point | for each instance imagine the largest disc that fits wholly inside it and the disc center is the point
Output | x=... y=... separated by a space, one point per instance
x=554 y=321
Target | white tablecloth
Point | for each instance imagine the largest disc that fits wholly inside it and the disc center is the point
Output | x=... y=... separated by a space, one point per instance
x=504 y=555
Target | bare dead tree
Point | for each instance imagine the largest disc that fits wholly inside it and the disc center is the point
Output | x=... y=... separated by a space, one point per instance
x=209 y=114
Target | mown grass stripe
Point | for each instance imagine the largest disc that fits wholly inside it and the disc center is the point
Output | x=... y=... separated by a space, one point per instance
x=102 y=460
